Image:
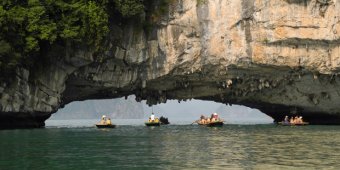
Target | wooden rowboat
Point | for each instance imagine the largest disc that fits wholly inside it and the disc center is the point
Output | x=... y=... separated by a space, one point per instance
x=212 y=124
x=105 y=126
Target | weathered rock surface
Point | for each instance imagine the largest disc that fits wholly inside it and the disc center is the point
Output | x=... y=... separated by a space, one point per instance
x=280 y=56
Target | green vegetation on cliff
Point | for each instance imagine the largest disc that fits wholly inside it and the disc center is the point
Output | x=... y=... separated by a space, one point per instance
x=28 y=26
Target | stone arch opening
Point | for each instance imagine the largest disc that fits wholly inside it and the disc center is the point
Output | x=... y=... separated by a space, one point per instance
x=178 y=112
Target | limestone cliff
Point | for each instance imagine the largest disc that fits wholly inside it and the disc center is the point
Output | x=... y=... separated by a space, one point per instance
x=280 y=56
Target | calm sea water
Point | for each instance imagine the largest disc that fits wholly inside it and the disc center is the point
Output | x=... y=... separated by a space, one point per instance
x=171 y=147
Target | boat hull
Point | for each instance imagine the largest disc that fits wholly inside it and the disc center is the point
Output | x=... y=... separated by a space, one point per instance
x=105 y=126
x=213 y=124
x=152 y=124
x=293 y=124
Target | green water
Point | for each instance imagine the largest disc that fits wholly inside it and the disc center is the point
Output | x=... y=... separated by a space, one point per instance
x=172 y=147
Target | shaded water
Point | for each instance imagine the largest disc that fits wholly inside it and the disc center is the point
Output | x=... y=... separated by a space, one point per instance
x=172 y=147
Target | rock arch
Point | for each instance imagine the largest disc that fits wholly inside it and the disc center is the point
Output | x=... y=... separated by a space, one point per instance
x=276 y=56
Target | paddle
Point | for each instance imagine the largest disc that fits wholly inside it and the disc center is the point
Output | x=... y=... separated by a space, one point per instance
x=193 y=122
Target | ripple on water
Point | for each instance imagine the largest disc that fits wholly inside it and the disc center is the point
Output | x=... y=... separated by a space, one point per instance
x=172 y=147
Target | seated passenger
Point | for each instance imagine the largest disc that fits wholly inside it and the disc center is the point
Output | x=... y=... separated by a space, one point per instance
x=103 y=120
x=215 y=115
x=202 y=119
x=296 y=119
x=108 y=121
x=152 y=117
x=299 y=119
x=212 y=118
x=286 y=119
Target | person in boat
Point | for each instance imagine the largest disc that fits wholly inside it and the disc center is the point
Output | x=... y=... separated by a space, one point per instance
x=286 y=120
x=215 y=116
x=103 y=120
x=212 y=118
x=202 y=120
x=108 y=121
x=207 y=120
x=152 y=117
x=299 y=120
x=291 y=121
x=296 y=119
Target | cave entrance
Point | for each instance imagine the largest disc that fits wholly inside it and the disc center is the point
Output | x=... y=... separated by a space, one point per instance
x=129 y=112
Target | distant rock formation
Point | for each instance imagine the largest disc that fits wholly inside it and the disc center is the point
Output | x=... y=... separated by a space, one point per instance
x=241 y=114
x=94 y=109
x=279 y=56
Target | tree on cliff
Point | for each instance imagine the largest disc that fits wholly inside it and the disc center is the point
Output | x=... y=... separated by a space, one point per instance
x=28 y=26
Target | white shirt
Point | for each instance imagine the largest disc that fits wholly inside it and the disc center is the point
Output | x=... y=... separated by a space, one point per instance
x=152 y=117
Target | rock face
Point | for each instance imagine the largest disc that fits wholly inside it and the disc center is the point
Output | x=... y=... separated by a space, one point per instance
x=280 y=56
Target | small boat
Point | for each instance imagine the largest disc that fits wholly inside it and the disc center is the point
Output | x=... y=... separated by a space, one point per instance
x=212 y=124
x=293 y=124
x=155 y=122
x=105 y=126
x=152 y=123
x=213 y=121
x=105 y=122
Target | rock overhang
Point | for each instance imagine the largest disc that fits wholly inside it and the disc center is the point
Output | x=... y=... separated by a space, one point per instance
x=281 y=57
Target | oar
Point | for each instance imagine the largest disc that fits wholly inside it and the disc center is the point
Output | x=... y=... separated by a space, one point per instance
x=193 y=122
